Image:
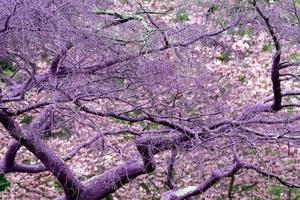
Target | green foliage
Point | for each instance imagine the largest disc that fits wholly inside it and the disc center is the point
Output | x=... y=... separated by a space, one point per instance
x=290 y=111
x=143 y=124
x=295 y=193
x=4 y=183
x=288 y=98
x=245 y=187
x=182 y=16
x=58 y=187
x=246 y=32
x=268 y=151
x=294 y=56
x=7 y=68
x=127 y=137
x=120 y=121
x=6 y=65
x=224 y=57
x=27 y=119
x=153 y=126
x=267 y=47
x=134 y=113
x=63 y=133
x=275 y=191
x=252 y=151
x=212 y=10
x=288 y=162
x=297 y=3
x=145 y=187
x=26 y=161
x=109 y=197
x=148 y=126
x=8 y=73
x=243 y=79
x=118 y=82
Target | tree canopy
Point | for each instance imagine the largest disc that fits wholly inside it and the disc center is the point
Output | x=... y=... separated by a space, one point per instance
x=137 y=70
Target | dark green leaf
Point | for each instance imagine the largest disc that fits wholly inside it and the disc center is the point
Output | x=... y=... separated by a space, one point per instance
x=242 y=79
x=4 y=183
x=224 y=57
x=6 y=65
x=27 y=119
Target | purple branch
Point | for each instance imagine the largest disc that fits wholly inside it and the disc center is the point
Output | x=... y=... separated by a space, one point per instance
x=31 y=139
x=275 y=76
x=215 y=177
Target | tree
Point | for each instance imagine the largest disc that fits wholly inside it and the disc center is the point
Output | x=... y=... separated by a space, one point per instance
x=92 y=65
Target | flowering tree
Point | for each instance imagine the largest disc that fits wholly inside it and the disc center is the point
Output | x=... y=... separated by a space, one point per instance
x=115 y=71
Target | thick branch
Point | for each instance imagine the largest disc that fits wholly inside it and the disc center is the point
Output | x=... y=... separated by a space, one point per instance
x=276 y=61
x=6 y=24
x=100 y=186
x=32 y=141
x=55 y=63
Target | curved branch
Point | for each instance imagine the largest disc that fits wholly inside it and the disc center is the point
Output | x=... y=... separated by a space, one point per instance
x=100 y=186
x=215 y=177
x=31 y=139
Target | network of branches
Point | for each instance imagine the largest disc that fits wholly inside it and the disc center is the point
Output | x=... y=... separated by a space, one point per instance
x=93 y=65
